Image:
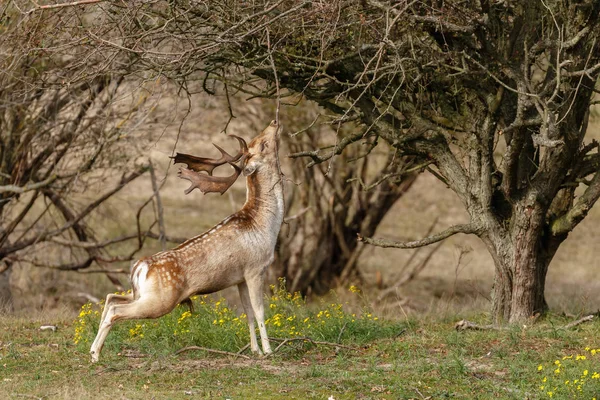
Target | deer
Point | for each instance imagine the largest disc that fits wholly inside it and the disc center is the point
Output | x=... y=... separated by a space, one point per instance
x=236 y=251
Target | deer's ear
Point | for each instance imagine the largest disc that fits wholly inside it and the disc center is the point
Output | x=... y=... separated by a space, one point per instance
x=263 y=146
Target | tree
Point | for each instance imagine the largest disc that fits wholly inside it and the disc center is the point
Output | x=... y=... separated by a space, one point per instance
x=332 y=202
x=321 y=246
x=495 y=95
x=61 y=146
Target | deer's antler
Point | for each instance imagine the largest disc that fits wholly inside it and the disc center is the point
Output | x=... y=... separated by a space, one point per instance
x=209 y=183
x=199 y=164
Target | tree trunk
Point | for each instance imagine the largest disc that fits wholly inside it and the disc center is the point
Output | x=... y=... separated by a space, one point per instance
x=6 y=300
x=521 y=256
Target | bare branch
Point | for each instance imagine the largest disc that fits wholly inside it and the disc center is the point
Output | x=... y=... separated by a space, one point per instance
x=63 y=5
x=29 y=186
x=159 y=209
x=580 y=321
x=453 y=230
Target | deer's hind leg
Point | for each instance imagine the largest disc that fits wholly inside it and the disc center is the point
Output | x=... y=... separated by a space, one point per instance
x=140 y=308
x=115 y=299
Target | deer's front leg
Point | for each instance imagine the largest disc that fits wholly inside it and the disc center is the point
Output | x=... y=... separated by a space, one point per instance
x=255 y=288
x=245 y=297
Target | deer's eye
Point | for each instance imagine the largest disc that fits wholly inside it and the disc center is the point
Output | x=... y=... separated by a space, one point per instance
x=263 y=146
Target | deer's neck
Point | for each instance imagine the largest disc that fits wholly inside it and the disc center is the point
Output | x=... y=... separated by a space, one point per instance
x=264 y=199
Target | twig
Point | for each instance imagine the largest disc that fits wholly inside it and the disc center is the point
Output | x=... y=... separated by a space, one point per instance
x=104 y=271
x=29 y=186
x=62 y=5
x=278 y=99
x=297 y=215
x=94 y=245
x=88 y=296
x=240 y=351
x=31 y=396
x=342 y=332
x=307 y=339
x=421 y=394
x=579 y=321
x=464 y=325
x=278 y=105
x=162 y=238
x=305 y=128
x=227 y=353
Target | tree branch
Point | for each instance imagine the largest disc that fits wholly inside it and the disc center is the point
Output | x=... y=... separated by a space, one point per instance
x=28 y=187
x=63 y=5
x=577 y=213
x=453 y=230
x=72 y=220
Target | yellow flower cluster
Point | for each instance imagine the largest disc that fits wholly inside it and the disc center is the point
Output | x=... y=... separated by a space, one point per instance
x=182 y=327
x=571 y=376
x=216 y=312
x=354 y=289
x=82 y=323
x=137 y=331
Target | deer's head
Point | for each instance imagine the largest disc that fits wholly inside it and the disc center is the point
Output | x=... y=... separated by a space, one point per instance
x=262 y=150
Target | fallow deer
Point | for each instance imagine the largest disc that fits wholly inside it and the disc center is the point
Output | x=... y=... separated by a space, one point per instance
x=237 y=251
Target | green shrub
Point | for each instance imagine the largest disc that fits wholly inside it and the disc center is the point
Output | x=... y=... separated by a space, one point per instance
x=216 y=325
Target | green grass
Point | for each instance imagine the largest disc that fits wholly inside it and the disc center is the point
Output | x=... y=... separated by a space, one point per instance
x=409 y=359
x=216 y=325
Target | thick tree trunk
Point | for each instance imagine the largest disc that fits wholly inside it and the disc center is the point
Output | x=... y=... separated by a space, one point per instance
x=519 y=294
x=521 y=256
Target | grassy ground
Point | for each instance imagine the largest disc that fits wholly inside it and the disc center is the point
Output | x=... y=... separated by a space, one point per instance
x=406 y=359
x=419 y=355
